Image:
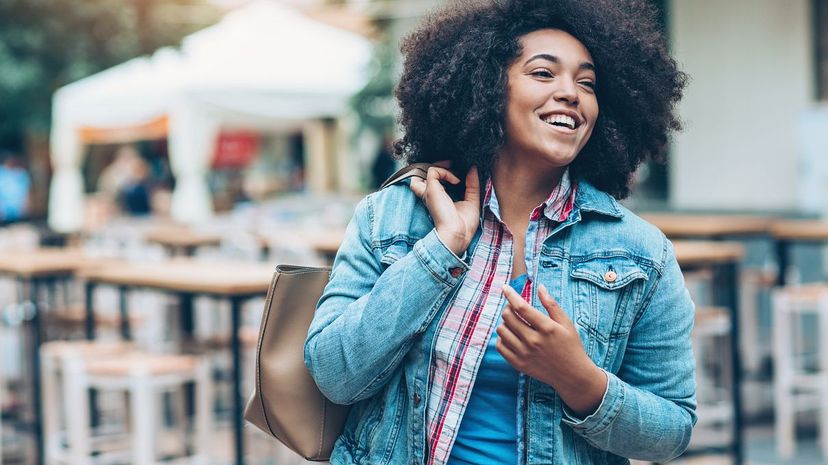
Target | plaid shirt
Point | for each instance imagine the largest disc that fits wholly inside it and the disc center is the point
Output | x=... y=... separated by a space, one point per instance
x=470 y=318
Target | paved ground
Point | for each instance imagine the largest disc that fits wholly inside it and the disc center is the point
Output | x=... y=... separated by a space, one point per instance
x=264 y=451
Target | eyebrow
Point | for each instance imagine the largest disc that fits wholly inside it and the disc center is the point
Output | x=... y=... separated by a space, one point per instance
x=545 y=56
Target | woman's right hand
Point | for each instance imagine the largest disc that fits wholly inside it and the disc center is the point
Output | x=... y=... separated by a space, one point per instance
x=455 y=222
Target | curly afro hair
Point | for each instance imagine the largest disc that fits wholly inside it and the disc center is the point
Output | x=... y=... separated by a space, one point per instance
x=452 y=93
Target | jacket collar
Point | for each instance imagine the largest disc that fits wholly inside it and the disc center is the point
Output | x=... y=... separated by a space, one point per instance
x=590 y=199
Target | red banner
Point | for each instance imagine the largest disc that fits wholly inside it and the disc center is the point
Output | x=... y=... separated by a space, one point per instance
x=235 y=149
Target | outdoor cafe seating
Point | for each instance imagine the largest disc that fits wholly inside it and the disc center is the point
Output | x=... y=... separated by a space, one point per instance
x=133 y=331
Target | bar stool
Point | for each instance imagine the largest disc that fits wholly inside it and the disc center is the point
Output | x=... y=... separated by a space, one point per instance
x=753 y=283
x=711 y=328
x=799 y=384
x=52 y=355
x=142 y=376
x=70 y=322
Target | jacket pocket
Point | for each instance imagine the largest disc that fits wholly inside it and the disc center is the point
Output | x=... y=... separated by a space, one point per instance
x=608 y=289
x=373 y=429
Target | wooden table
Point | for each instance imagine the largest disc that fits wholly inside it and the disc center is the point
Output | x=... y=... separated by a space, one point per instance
x=187 y=278
x=36 y=269
x=182 y=240
x=788 y=232
x=707 y=253
x=325 y=243
x=40 y=263
x=723 y=258
x=693 y=226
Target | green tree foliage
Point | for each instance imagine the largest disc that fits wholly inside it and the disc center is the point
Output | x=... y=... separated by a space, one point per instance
x=374 y=103
x=45 y=44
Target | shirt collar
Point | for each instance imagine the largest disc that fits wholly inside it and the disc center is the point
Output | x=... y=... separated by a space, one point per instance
x=556 y=207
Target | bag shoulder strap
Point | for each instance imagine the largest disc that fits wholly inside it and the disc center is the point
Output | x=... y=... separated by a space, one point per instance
x=415 y=170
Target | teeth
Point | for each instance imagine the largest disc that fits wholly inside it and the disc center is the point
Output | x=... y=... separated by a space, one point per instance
x=562 y=119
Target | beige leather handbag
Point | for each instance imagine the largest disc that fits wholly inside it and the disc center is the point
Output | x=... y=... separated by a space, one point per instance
x=286 y=403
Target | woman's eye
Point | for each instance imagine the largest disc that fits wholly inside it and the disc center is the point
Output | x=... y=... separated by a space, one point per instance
x=543 y=73
x=588 y=84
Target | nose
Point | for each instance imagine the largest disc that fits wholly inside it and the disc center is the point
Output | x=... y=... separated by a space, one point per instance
x=566 y=91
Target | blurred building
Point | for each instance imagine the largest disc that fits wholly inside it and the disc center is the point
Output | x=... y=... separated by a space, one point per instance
x=757 y=68
x=753 y=65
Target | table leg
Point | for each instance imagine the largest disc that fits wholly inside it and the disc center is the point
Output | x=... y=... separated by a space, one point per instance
x=238 y=401
x=782 y=260
x=187 y=316
x=89 y=292
x=67 y=298
x=123 y=301
x=36 y=334
x=730 y=278
x=187 y=322
x=51 y=288
x=89 y=302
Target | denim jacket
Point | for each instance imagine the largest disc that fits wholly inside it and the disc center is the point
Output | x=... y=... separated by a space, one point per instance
x=371 y=338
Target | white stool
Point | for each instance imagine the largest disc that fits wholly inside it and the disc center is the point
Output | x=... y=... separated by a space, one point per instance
x=69 y=322
x=143 y=377
x=52 y=355
x=752 y=283
x=715 y=408
x=795 y=387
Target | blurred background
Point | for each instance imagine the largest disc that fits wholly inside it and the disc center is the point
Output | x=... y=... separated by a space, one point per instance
x=145 y=143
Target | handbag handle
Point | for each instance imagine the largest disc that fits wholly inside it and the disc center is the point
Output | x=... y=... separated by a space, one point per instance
x=415 y=170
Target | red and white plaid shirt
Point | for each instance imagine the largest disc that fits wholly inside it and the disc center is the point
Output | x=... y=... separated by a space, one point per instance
x=468 y=322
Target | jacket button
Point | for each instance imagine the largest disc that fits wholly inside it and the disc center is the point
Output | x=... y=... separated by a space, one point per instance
x=416 y=400
x=455 y=272
x=610 y=276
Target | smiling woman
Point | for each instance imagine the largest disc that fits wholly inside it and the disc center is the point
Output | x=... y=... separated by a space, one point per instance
x=526 y=316
x=453 y=91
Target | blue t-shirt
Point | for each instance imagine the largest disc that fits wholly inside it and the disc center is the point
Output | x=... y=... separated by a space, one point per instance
x=488 y=431
x=14 y=193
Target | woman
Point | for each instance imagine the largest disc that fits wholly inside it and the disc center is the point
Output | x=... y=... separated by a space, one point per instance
x=532 y=318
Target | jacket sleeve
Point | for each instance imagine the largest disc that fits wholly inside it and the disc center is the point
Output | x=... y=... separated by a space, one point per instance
x=367 y=319
x=648 y=409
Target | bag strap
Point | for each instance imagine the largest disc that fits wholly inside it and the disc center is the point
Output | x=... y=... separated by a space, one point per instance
x=415 y=170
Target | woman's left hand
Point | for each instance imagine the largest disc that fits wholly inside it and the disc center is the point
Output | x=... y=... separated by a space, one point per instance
x=549 y=349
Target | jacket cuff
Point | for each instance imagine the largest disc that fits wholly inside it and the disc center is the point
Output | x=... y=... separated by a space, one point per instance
x=444 y=264
x=611 y=405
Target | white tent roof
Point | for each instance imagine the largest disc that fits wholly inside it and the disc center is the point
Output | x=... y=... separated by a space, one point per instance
x=262 y=63
x=264 y=59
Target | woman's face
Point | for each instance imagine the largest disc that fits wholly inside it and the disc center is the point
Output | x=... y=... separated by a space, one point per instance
x=551 y=105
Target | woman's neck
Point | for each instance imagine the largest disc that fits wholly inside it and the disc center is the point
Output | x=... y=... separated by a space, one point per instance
x=520 y=187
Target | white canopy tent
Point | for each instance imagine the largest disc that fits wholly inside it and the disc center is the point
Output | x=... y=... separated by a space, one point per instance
x=259 y=66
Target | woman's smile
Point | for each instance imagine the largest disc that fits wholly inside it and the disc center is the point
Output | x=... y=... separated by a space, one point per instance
x=564 y=122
